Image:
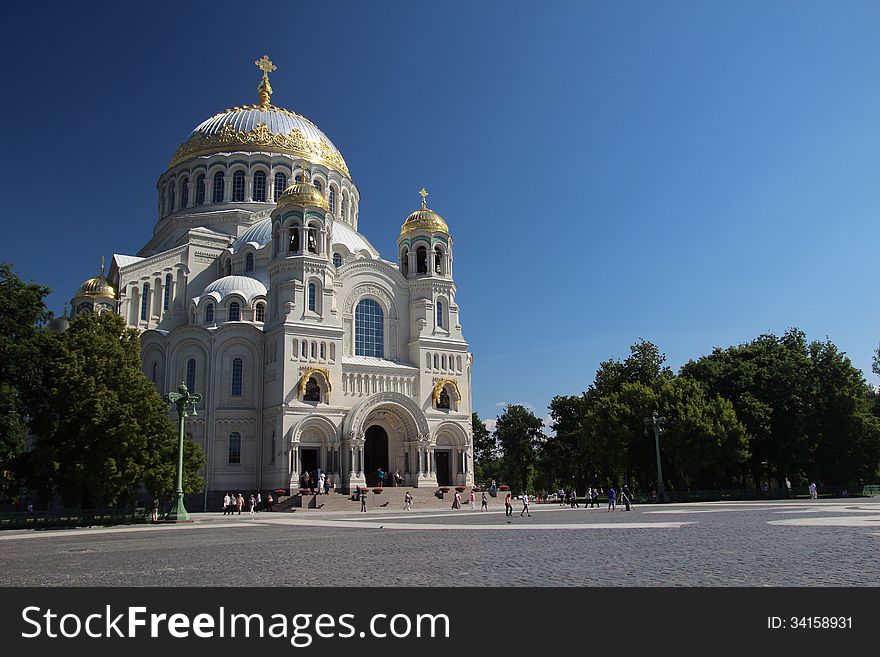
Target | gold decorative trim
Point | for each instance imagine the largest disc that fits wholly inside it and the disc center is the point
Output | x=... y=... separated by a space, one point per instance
x=438 y=387
x=260 y=138
x=304 y=379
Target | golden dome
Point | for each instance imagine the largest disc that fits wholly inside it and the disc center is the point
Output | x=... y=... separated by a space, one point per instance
x=303 y=194
x=424 y=219
x=98 y=286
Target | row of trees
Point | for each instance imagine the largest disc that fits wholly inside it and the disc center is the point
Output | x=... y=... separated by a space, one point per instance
x=78 y=420
x=774 y=410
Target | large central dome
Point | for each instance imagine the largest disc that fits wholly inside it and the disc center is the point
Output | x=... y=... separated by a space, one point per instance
x=261 y=128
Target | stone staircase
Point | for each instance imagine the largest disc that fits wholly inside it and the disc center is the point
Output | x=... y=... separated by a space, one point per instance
x=389 y=499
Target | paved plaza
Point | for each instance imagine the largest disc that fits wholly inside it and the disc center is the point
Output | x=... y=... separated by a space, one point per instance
x=802 y=543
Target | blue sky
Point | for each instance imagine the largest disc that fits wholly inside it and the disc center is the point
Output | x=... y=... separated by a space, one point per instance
x=693 y=173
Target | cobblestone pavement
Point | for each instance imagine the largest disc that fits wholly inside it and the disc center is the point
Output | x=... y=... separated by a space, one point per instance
x=805 y=543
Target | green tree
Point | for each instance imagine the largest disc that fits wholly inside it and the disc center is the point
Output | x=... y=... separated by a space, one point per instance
x=520 y=436
x=104 y=430
x=486 y=454
x=23 y=345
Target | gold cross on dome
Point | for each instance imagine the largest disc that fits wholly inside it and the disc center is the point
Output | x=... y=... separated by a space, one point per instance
x=265 y=65
x=424 y=194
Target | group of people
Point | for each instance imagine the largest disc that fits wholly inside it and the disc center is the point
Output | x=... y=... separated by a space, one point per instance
x=394 y=479
x=233 y=502
x=472 y=499
x=317 y=481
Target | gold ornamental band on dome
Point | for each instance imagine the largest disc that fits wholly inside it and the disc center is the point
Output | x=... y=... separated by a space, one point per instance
x=438 y=388
x=258 y=139
x=304 y=380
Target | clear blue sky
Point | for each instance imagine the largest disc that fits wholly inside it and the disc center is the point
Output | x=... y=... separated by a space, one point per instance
x=693 y=173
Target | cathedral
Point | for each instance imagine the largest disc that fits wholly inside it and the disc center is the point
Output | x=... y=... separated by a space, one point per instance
x=311 y=351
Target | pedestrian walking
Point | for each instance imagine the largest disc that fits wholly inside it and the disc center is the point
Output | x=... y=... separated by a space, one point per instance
x=154 y=514
x=484 y=503
x=612 y=499
x=814 y=492
x=456 y=501
x=253 y=504
x=574 y=499
x=472 y=498
x=626 y=497
x=269 y=501
x=560 y=494
x=363 y=496
x=227 y=501
x=407 y=501
x=322 y=478
x=259 y=501
x=508 y=506
x=381 y=474
x=525 y=503
x=594 y=498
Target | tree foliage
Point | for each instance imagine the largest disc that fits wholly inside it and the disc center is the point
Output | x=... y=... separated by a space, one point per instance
x=103 y=430
x=520 y=435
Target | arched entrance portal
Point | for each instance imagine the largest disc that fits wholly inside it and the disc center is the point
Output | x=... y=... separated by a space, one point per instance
x=375 y=454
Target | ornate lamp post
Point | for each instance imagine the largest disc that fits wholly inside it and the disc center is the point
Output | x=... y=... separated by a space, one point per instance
x=181 y=399
x=657 y=423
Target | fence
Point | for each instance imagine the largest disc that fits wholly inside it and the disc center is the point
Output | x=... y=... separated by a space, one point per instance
x=72 y=518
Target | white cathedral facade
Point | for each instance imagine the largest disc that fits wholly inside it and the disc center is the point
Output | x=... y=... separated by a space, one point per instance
x=309 y=349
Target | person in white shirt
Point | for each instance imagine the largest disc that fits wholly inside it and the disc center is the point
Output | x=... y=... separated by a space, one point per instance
x=525 y=509
x=814 y=494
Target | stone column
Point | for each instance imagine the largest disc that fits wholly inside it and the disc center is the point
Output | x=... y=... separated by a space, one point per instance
x=248 y=189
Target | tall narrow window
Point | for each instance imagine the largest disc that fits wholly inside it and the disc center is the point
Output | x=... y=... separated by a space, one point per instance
x=209 y=313
x=337 y=260
x=236 y=377
x=404 y=262
x=234 y=312
x=219 y=187
x=312 y=239
x=323 y=350
x=200 y=190
x=145 y=301
x=369 y=329
x=191 y=374
x=184 y=193
x=317 y=184
x=153 y=372
x=439 y=314
x=249 y=262
x=294 y=239
x=260 y=186
x=280 y=186
x=260 y=312
x=234 y=448
x=166 y=293
x=342 y=208
x=421 y=260
x=172 y=198
x=438 y=260
x=238 y=186
x=332 y=201
x=312 y=296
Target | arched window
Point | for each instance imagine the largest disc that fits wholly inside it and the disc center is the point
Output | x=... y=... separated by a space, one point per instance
x=249 y=262
x=438 y=260
x=332 y=201
x=191 y=374
x=260 y=186
x=428 y=361
x=305 y=349
x=369 y=329
x=458 y=363
x=294 y=239
x=238 y=186
x=260 y=312
x=234 y=448
x=312 y=296
x=332 y=351
x=323 y=350
x=443 y=362
x=280 y=186
x=184 y=193
x=166 y=293
x=312 y=239
x=209 y=313
x=145 y=301
x=172 y=197
x=219 y=187
x=443 y=401
x=436 y=362
x=162 y=202
x=200 y=190
x=153 y=372
x=421 y=260
x=317 y=184
x=439 y=314
x=313 y=391
x=337 y=260
x=298 y=178
x=234 y=312
x=236 y=377
x=314 y=350
x=404 y=262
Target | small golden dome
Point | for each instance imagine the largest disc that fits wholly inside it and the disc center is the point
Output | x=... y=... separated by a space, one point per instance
x=303 y=194
x=424 y=219
x=97 y=287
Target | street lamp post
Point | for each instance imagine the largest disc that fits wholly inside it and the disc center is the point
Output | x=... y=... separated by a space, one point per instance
x=657 y=423
x=181 y=399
